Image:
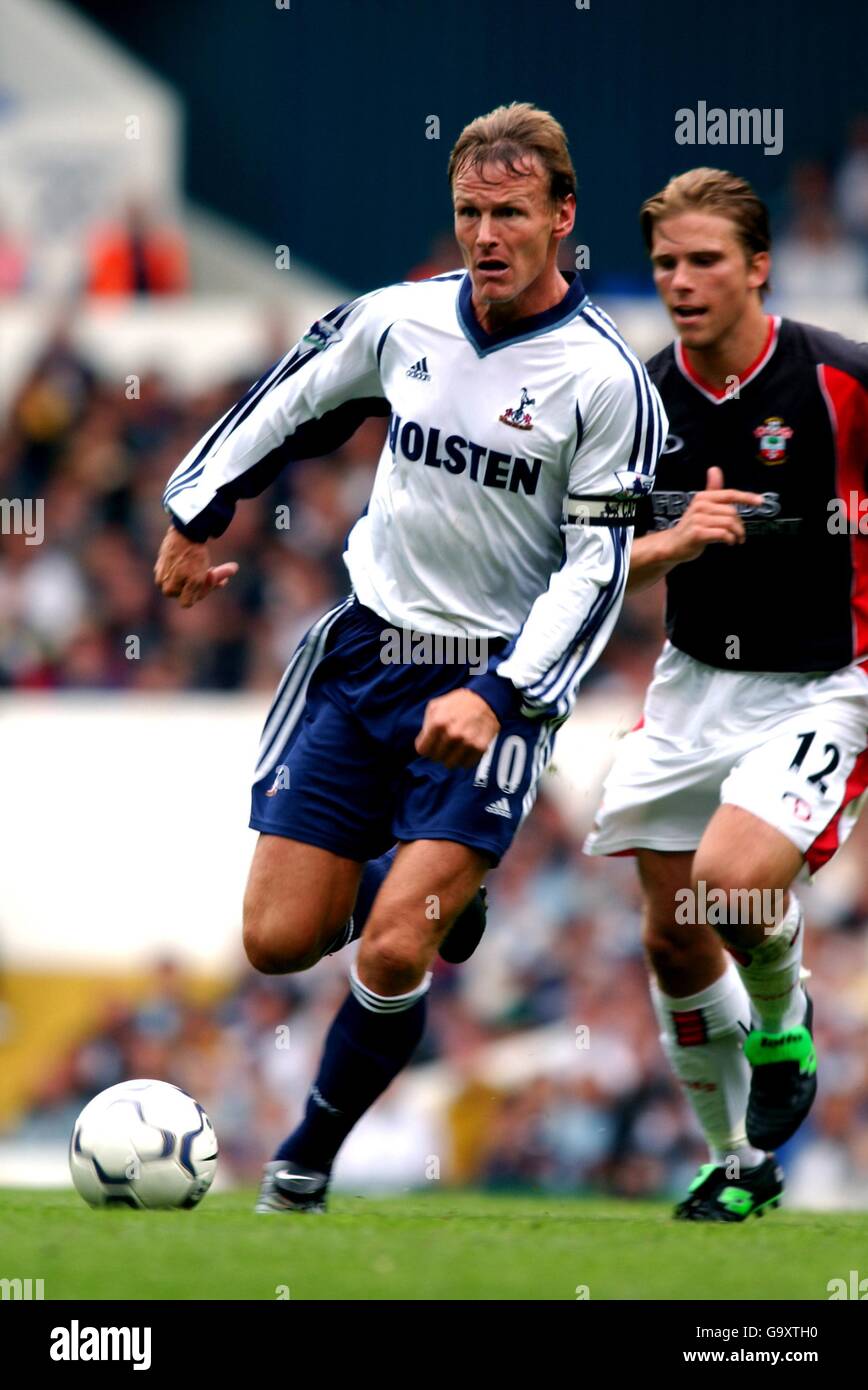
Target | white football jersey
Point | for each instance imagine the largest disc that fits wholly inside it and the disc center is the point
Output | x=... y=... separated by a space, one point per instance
x=504 y=494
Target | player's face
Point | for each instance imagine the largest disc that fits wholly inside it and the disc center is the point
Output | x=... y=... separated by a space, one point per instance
x=703 y=275
x=508 y=228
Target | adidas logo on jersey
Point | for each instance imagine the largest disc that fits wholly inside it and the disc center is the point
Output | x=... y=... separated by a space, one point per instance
x=419 y=370
x=500 y=808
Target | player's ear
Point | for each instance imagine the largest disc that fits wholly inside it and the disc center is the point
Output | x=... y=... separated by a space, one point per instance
x=758 y=269
x=565 y=217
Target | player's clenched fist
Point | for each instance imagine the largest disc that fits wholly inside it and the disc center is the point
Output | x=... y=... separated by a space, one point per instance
x=184 y=570
x=712 y=516
x=457 y=729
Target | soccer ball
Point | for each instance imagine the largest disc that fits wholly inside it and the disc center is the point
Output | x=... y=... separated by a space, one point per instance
x=143 y=1144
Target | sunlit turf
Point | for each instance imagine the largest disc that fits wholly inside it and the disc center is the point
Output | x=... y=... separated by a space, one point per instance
x=433 y=1245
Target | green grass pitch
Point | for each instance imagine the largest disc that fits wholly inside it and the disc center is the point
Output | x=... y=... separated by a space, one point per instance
x=437 y=1245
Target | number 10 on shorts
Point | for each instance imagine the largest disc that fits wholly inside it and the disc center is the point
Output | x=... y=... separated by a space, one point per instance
x=510 y=766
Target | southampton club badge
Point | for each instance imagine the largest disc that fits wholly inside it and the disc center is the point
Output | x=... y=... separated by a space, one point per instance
x=519 y=417
x=773 y=436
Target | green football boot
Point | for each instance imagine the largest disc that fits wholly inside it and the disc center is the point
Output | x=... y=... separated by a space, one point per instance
x=783 y=1082
x=713 y=1196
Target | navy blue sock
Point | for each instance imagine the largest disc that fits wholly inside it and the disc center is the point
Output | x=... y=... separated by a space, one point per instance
x=365 y=1049
x=373 y=873
x=363 y=1053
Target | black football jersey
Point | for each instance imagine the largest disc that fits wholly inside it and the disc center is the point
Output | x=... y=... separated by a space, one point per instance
x=794 y=597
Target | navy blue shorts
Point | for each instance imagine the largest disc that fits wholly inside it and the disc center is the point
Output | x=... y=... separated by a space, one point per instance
x=337 y=764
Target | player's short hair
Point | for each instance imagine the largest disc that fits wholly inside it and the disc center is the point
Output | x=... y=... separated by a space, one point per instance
x=507 y=136
x=712 y=190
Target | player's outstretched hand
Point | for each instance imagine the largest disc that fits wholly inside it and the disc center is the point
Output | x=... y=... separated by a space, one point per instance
x=711 y=516
x=184 y=570
x=457 y=729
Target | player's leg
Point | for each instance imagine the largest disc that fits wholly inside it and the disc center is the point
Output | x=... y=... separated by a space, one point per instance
x=321 y=801
x=380 y=1023
x=744 y=868
x=741 y=852
x=704 y=1016
x=788 y=803
x=323 y=780
x=457 y=945
x=660 y=794
x=452 y=827
x=298 y=897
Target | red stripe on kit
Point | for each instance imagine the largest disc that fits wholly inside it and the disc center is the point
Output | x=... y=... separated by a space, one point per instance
x=847 y=402
x=827 y=842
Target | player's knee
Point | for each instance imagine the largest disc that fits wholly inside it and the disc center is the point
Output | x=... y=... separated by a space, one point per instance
x=395 y=955
x=684 y=956
x=717 y=885
x=273 y=947
x=670 y=947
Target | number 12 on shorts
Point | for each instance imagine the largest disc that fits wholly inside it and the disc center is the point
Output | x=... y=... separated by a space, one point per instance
x=831 y=751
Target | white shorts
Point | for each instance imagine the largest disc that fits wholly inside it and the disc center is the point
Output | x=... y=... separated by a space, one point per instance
x=791 y=749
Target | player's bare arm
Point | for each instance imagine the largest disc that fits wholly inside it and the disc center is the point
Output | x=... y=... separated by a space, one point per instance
x=184 y=571
x=712 y=518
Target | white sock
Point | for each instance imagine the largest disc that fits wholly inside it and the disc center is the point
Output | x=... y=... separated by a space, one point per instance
x=771 y=973
x=702 y=1036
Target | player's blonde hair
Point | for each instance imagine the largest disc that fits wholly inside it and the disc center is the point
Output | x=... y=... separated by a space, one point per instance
x=507 y=136
x=712 y=190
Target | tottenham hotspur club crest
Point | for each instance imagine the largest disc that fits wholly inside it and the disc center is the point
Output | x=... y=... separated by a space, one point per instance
x=519 y=417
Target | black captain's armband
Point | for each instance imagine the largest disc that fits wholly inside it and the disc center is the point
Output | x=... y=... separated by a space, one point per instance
x=595 y=509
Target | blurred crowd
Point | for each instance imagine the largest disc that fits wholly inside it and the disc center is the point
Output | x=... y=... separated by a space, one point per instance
x=136 y=252
x=99 y=458
x=822 y=250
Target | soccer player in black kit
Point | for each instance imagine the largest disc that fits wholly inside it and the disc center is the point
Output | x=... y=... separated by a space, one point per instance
x=750 y=764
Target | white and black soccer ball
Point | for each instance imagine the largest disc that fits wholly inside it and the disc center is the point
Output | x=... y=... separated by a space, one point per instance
x=143 y=1144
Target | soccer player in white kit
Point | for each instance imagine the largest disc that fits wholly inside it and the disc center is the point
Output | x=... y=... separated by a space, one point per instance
x=751 y=761
x=522 y=432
